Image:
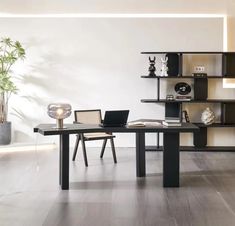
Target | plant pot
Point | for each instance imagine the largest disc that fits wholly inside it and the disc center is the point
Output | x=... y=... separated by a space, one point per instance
x=5 y=133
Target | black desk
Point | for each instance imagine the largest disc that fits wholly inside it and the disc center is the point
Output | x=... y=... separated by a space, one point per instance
x=170 y=143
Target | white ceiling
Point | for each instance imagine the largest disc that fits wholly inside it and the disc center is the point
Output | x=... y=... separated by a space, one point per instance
x=115 y=6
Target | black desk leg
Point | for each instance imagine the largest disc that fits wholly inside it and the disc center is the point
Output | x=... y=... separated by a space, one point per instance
x=140 y=154
x=60 y=154
x=171 y=160
x=64 y=161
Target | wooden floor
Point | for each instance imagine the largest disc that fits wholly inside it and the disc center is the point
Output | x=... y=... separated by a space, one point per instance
x=105 y=194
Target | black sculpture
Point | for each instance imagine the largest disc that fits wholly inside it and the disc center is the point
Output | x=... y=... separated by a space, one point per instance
x=152 y=67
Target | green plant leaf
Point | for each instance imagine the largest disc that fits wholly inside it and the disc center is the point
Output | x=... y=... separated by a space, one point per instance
x=10 y=52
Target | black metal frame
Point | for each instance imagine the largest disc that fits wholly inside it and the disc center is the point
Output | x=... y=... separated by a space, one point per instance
x=200 y=139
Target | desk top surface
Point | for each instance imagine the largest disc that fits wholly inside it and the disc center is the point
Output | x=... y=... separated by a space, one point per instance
x=49 y=129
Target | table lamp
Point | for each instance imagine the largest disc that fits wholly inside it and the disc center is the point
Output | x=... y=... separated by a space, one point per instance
x=59 y=111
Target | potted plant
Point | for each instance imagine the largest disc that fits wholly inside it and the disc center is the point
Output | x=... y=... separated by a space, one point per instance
x=10 y=52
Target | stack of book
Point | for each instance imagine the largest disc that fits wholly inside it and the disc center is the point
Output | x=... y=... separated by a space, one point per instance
x=145 y=123
x=172 y=121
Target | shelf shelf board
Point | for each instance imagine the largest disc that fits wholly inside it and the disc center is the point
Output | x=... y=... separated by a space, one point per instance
x=188 y=77
x=186 y=52
x=217 y=124
x=188 y=101
x=192 y=148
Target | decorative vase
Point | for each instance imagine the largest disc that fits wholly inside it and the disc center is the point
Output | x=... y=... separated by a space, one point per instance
x=208 y=116
x=5 y=133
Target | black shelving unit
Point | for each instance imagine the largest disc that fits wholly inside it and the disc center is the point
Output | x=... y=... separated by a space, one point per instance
x=186 y=76
x=188 y=101
x=174 y=107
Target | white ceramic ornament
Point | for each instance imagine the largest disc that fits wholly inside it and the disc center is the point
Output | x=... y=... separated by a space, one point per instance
x=164 y=67
x=208 y=116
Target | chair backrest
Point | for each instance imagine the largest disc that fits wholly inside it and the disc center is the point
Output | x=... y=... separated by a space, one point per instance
x=88 y=116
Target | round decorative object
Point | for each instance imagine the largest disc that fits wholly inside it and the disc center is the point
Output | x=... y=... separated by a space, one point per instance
x=59 y=111
x=208 y=116
x=182 y=88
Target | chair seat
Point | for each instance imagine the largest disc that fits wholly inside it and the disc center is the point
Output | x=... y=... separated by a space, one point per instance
x=91 y=136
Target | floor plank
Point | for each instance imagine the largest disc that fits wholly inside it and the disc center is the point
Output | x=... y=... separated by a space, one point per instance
x=110 y=194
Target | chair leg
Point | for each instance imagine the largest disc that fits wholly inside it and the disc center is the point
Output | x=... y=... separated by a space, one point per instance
x=76 y=147
x=113 y=150
x=84 y=150
x=103 y=148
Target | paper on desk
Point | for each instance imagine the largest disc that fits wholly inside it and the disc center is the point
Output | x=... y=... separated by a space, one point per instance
x=145 y=123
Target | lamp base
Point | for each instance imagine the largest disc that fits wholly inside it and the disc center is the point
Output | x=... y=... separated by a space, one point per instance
x=59 y=124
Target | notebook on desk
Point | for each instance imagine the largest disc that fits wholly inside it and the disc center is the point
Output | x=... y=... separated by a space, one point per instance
x=115 y=118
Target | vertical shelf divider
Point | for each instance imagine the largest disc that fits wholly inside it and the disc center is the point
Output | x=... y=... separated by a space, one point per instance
x=180 y=64
x=158 y=98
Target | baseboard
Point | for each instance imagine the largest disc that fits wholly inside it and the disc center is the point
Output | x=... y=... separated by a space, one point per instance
x=15 y=147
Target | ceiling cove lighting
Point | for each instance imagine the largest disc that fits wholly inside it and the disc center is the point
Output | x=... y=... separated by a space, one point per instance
x=227 y=83
x=126 y=15
x=111 y=15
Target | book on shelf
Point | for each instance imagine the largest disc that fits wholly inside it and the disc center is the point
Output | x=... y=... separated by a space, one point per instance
x=199 y=75
x=185 y=116
x=145 y=123
x=169 y=124
x=172 y=119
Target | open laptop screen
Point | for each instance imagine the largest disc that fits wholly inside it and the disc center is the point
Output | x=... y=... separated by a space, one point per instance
x=115 y=118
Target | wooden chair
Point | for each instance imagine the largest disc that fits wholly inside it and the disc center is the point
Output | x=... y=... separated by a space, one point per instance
x=91 y=117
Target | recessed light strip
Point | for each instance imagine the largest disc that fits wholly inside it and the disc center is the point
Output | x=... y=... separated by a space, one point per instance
x=110 y=15
x=227 y=83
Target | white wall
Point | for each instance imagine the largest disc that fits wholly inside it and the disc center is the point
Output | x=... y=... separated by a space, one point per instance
x=120 y=6
x=96 y=63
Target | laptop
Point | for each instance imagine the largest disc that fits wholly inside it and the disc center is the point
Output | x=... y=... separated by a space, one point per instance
x=115 y=118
